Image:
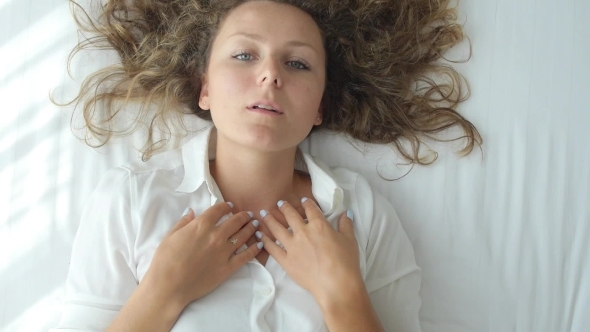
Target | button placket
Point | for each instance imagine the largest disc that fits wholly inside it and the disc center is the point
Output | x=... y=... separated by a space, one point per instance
x=263 y=291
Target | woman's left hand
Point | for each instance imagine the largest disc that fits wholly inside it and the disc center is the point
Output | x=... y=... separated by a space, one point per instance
x=319 y=258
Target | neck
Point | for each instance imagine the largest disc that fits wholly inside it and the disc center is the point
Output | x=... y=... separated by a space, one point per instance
x=253 y=180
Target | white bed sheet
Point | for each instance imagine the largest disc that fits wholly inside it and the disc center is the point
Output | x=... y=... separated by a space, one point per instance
x=503 y=240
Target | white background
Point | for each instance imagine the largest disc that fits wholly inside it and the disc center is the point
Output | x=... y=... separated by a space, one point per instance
x=503 y=240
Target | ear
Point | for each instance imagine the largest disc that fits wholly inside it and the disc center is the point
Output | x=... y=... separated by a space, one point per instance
x=204 y=95
x=320 y=115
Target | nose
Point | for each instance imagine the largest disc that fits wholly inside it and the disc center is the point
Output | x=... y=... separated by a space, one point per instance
x=271 y=74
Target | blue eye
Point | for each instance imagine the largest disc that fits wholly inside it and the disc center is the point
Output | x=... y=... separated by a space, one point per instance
x=243 y=56
x=300 y=65
x=237 y=56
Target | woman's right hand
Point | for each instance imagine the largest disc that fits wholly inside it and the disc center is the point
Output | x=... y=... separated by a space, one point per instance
x=196 y=256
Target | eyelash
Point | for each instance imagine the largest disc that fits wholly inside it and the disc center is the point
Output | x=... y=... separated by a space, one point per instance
x=305 y=66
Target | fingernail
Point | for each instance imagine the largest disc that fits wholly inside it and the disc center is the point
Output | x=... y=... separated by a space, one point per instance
x=280 y=203
x=255 y=223
x=350 y=215
x=231 y=205
x=303 y=200
x=260 y=245
x=258 y=234
x=186 y=211
x=263 y=213
x=251 y=214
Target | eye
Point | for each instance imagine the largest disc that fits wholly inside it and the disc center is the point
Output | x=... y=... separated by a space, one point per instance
x=298 y=65
x=243 y=56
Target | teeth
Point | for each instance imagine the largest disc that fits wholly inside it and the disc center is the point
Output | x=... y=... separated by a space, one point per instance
x=265 y=107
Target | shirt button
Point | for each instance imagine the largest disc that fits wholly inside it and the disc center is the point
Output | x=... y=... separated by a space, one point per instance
x=266 y=291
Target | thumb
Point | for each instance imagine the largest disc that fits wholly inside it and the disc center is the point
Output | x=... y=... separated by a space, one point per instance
x=187 y=217
x=345 y=224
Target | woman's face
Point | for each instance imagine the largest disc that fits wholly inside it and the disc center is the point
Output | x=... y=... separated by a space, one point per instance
x=266 y=54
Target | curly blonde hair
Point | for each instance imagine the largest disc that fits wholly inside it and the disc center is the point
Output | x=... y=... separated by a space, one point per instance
x=383 y=83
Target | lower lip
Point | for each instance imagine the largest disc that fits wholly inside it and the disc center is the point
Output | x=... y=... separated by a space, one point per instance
x=263 y=111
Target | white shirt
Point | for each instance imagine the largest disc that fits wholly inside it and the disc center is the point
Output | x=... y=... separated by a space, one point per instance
x=135 y=205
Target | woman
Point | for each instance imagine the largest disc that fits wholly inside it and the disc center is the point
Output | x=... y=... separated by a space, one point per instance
x=272 y=239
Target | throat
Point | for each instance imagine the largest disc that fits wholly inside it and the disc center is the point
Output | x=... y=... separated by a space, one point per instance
x=255 y=196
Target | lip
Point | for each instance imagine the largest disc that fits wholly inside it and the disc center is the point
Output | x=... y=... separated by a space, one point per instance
x=263 y=111
x=270 y=103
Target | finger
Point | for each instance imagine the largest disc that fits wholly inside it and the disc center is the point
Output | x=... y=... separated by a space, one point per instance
x=216 y=212
x=235 y=223
x=243 y=235
x=187 y=217
x=279 y=254
x=345 y=225
x=275 y=227
x=312 y=211
x=293 y=218
x=237 y=261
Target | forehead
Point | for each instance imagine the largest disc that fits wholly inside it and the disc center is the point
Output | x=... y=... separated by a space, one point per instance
x=272 y=21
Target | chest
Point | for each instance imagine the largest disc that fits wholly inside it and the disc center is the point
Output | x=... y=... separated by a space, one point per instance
x=257 y=297
x=260 y=296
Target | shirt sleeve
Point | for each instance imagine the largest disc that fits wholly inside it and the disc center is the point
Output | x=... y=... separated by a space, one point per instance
x=102 y=273
x=392 y=278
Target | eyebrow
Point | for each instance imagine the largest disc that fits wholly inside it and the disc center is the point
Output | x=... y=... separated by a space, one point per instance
x=258 y=38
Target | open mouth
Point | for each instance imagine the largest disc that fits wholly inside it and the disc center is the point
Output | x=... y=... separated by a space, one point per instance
x=266 y=109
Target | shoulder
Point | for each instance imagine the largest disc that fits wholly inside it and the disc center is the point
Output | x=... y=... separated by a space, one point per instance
x=168 y=160
x=133 y=184
x=372 y=211
x=357 y=195
x=357 y=190
x=362 y=196
x=343 y=177
x=113 y=185
x=165 y=170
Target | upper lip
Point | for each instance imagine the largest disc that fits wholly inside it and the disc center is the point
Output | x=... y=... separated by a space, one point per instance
x=270 y=103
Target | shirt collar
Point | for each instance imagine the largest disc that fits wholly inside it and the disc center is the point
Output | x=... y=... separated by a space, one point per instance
x=197 y=153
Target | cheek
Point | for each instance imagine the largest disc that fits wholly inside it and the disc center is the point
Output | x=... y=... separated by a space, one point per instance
x=229 y=83
x=313 y=96
x=236 y=83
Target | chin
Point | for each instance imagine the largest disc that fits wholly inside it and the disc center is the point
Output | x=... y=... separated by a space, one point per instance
x=268 y=139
